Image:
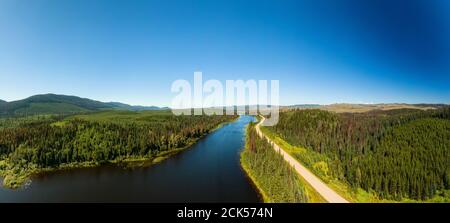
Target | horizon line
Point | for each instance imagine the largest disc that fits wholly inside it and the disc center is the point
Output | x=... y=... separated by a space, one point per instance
x=281 y=105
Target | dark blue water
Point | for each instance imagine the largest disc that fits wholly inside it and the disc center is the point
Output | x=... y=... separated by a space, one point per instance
x=209 y=171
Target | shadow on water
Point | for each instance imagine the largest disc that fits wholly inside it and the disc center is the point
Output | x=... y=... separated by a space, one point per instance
x=209 y=171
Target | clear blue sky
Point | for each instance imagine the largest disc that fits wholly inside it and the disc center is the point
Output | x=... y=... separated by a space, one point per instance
x=321 y=51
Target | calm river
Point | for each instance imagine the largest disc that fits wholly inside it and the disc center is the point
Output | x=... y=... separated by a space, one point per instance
x=209 y=171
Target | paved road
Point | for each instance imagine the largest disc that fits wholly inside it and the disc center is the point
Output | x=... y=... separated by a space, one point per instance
x=327 y=193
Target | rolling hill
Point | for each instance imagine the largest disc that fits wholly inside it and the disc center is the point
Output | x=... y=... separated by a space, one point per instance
x=359 y=108
x=123 y=106
x=61 y=104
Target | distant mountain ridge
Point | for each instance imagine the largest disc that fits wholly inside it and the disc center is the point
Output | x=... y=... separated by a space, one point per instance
x=65 y=104
x=134 y=107
x=62 y=104
x=346 y=107
x=304 y=106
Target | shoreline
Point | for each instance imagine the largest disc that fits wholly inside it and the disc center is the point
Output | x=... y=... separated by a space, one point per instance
x=17 y=181
x=311 y=194
x=261 y=193
x=252 y=179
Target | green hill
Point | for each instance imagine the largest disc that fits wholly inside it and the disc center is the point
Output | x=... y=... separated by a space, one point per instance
x=123 y=106
x=60 y=104
x=50 y=103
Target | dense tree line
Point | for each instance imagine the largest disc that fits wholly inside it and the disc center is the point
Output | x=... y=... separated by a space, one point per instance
x=13 y=122
x=49 y=144
x=398 y=154
x=276 y=178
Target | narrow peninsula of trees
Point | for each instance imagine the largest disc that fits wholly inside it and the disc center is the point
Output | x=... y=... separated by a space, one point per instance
x=276 y=179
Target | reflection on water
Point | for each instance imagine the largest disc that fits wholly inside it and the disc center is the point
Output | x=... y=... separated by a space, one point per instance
x=209 y=171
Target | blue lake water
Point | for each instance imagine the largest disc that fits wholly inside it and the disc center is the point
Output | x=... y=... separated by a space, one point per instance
x=209 y=171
